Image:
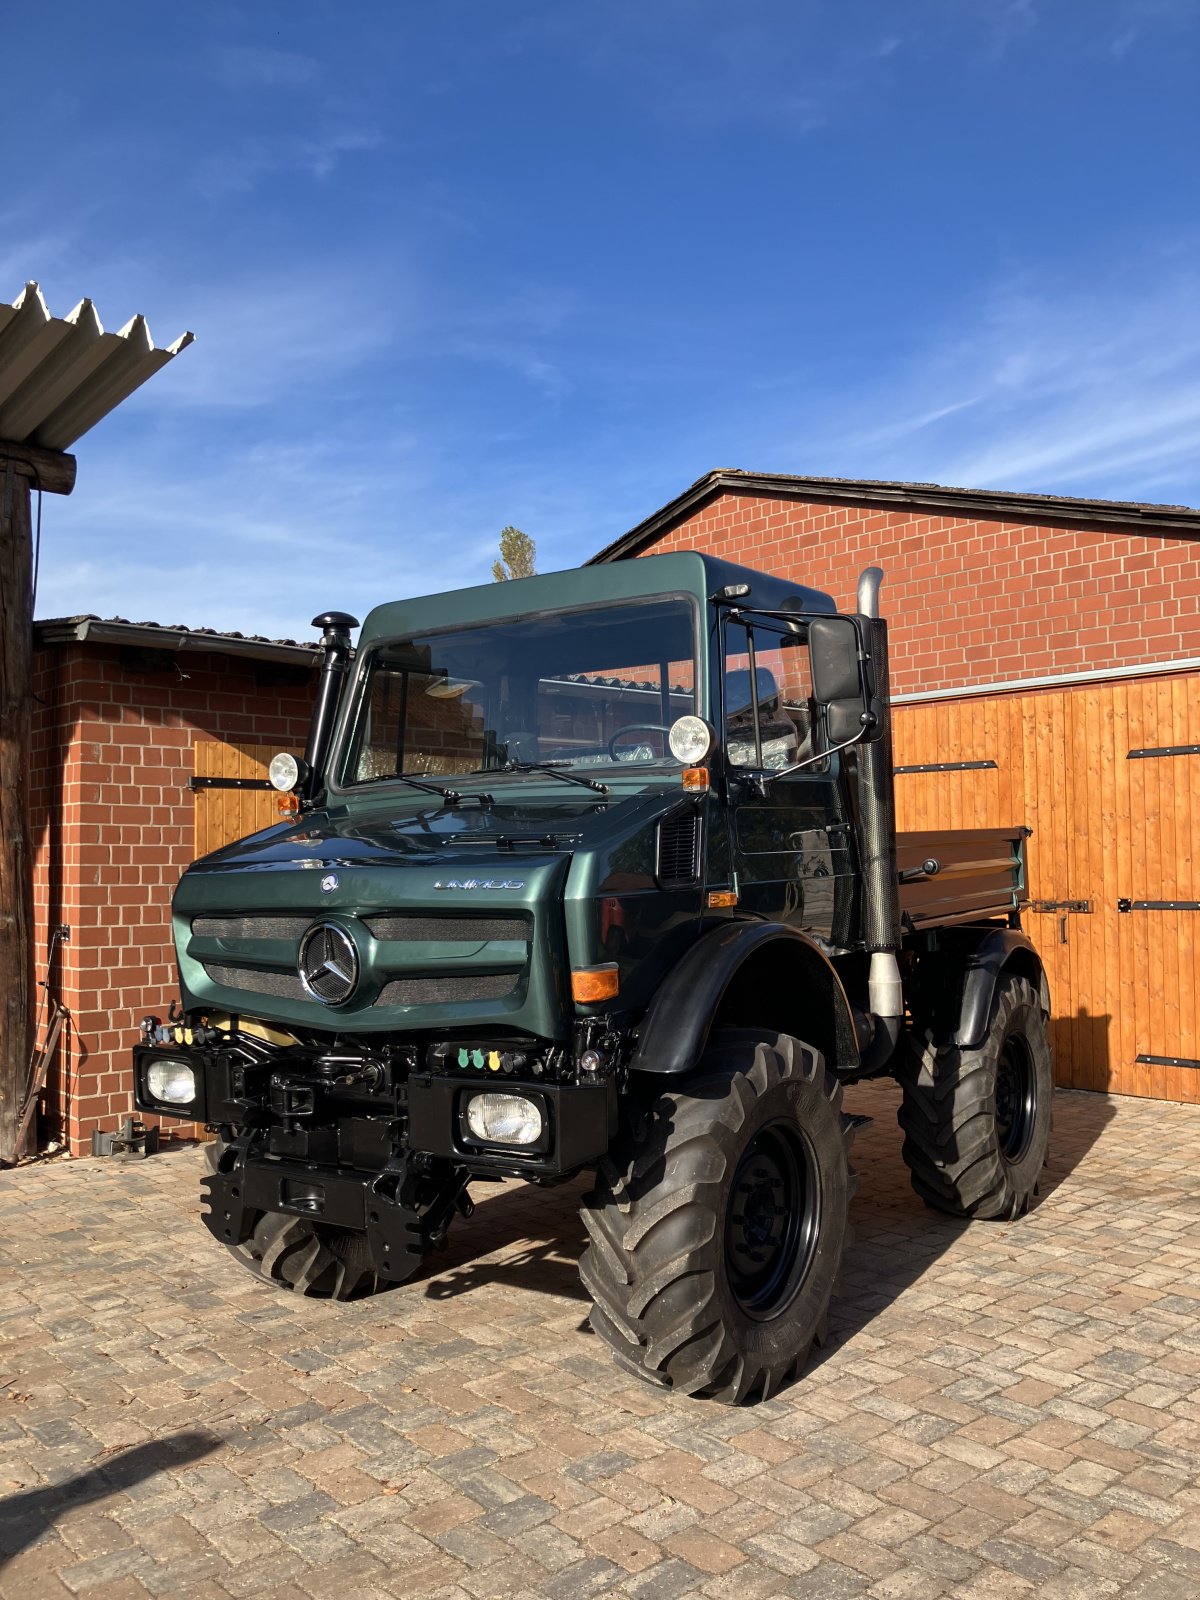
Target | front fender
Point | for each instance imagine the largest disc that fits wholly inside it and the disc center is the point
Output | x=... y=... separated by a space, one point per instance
x=752 y=974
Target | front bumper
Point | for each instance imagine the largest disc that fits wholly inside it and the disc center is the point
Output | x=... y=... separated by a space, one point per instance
x=243 y=1187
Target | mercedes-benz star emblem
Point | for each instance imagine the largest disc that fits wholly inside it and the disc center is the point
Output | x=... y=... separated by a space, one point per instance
x=328 y=963
x=329 y=883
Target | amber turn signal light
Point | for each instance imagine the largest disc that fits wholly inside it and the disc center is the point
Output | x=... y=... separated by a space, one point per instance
x=589 y=984
x=695 y=777
x=721 y=899
x=289 y=805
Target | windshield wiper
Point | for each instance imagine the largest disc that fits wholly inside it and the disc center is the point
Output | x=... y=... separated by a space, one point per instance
x=450 y=796
x=554 y=768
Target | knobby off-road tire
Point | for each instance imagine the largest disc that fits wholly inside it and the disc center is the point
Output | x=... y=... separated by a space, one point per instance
x=301 y=1254
x=977 y=1122
x=718 y=1220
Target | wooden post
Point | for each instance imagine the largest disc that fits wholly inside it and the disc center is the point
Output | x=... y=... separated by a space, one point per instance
x=20 y=468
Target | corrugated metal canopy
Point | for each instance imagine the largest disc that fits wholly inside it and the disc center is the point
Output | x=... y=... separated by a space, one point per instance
x=59 y=376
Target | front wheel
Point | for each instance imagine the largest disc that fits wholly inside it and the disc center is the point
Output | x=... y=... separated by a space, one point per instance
x=977 y=1122
x=718 y=1220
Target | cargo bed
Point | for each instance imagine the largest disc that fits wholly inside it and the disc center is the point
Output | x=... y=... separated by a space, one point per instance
x=978 y=874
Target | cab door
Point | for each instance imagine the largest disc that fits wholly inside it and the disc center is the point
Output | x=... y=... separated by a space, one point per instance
x=791 y=835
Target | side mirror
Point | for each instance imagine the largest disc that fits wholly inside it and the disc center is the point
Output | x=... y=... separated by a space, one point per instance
x=840 y=682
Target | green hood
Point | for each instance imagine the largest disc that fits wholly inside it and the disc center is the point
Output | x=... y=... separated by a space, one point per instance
x=460 y=918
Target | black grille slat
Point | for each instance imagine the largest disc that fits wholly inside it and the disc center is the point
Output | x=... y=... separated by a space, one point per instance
x=679 y=849
x=467 y=930
x=252 y=926
x=440 y=991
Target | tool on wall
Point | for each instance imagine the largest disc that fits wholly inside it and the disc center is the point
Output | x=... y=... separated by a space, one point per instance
x=57 y=1015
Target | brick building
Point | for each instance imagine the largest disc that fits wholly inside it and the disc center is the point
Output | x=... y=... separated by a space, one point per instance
x=1046 y=659
x=125 y=715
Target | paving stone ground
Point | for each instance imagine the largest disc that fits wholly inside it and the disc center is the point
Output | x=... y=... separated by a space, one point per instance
x=1003 y=1409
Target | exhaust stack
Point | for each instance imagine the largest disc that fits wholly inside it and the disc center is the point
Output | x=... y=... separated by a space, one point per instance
x=881 y=892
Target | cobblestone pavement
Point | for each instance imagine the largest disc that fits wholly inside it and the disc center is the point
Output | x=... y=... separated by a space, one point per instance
x=1003 y=1410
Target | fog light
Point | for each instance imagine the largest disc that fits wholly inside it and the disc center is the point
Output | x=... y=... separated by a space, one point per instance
x=504 y=1119
x=171 y=1081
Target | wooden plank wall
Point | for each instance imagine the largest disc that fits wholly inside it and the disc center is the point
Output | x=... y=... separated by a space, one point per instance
x=1105 y=827
x=222 y=815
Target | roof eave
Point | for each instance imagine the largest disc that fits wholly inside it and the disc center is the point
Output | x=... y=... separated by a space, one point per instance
x=992 y=505
x=91 y=630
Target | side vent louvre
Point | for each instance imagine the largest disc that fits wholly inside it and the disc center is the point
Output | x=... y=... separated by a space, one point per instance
x=679 y=849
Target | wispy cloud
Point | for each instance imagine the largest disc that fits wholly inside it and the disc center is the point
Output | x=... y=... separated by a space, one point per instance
x=1009 y=20
x=242 y=67
x=1042 y=387
x=244 y=165
x=285 y=335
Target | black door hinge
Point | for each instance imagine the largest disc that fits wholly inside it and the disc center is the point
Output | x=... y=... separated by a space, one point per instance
x=195 y=784
x=949 y=766
x=1158 y=905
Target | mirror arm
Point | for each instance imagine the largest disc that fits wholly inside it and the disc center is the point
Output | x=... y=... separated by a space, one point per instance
x=822 y=755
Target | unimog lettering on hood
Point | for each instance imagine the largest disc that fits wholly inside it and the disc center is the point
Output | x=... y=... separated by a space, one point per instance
x=598 y=872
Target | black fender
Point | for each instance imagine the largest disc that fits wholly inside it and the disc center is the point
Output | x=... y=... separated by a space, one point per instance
x=762 y=974
x=1002 y=950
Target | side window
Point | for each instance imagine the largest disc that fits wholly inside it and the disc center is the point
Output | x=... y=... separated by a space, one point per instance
x=781 y=688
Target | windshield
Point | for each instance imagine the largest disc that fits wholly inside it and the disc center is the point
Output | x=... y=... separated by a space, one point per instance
x=591 y=688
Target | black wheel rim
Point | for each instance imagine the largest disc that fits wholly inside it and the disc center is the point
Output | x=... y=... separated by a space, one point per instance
x=1016 y=1098
x=772 y=1221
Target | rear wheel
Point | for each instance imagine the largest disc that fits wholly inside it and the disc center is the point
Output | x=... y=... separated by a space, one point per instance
x=718 y=1220
x=977 y=1122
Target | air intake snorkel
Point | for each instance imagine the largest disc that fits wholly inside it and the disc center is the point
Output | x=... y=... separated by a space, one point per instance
x=335 y=648
x=876 y=806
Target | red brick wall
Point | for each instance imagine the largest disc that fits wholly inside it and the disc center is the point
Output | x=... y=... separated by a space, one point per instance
x=972 y=602
x=112 y=826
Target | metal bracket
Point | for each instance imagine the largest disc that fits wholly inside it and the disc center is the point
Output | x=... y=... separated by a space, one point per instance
x=195 y=784
x=1164 y=750
x=1167 y=1061
x=132 y=1139
x=1158 y=905
x=1082 y=907
x=950 y=766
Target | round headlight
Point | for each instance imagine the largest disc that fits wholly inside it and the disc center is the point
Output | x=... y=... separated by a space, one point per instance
x=691 y=740
x=504 y=1119
x=171 y=1081
x=284 y=772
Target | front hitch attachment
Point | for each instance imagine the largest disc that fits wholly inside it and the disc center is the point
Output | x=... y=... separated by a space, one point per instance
x=223 y=1193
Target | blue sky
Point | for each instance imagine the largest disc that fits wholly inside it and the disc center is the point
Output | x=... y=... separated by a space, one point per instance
x=485 y=261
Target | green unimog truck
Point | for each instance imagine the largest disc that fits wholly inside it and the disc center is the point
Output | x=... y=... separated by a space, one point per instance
x=598 y=872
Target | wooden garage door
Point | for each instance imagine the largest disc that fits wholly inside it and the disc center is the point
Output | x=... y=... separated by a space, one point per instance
x=223 y=813
x=1110 y=830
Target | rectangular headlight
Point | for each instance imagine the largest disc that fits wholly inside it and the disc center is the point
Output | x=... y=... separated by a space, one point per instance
x=171 y=1081
x=504 y=1119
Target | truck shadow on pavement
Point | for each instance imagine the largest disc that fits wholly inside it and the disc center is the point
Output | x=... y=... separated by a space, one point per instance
x=25 y=1517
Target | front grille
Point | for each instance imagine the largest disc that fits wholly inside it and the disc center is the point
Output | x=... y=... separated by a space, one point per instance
x=443 y=991
x=280 y=985
x=254 y=925
x=467 y=930
x=679 y=848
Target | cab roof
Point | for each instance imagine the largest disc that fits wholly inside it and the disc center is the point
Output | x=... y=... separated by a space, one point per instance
x=680 y=572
